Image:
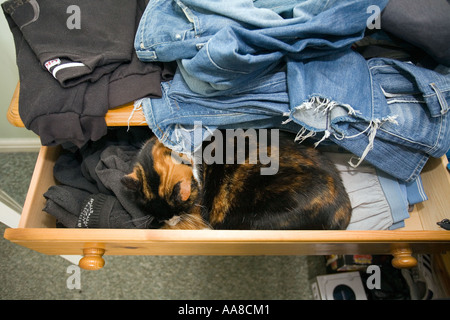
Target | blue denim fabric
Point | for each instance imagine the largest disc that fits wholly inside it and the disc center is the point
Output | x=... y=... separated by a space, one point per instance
x=390 y=113
x=223 y=44
x=263 y=103
x=402 y=122
x=407 y=119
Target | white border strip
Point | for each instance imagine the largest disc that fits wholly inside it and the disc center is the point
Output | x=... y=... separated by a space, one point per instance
x=67 y=65
x=20 y=144
x=8 y=216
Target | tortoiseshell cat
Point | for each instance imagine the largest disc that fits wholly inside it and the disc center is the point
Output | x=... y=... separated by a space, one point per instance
x=305 y=193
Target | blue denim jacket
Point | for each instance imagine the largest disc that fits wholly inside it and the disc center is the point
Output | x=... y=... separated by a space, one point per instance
x=403 y=123
x=222 y=44
x=390 y=113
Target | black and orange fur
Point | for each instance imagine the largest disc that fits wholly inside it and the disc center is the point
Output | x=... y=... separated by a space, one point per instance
x=305 y=193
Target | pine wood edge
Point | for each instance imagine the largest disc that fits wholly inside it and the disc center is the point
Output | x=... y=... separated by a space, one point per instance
x=13 y=111
x=120 y=116
x=42 y=179
x=222 y=236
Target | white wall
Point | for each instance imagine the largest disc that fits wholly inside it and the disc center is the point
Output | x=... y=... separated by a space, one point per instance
x=9 y=76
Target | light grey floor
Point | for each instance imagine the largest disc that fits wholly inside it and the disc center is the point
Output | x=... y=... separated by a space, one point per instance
x=26 y=274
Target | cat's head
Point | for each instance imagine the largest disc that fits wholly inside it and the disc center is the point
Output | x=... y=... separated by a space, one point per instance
x=162 y=182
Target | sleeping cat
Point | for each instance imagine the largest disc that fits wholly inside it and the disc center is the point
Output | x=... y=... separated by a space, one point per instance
x=306 y=192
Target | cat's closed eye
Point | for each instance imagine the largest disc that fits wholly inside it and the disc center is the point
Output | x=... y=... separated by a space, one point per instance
x=233 y=196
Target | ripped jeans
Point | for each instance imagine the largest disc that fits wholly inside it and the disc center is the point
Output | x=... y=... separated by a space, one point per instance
x=289 y=65
x=403 y=122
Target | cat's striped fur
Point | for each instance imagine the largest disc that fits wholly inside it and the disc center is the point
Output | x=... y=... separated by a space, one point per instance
x=305 y=193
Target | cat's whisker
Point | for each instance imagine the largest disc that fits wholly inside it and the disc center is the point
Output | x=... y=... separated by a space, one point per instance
x=143 y=222
x=305 y=192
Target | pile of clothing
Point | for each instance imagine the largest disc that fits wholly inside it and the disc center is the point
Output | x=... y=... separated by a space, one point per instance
x=75 y=63
x=293 y=66
x=89 y=193
x=368 y=80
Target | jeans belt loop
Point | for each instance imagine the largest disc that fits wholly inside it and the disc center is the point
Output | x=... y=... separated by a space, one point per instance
x=441 y=99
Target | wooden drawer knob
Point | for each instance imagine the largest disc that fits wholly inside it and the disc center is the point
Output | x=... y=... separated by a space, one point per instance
x=93 y=259
x=403 y=258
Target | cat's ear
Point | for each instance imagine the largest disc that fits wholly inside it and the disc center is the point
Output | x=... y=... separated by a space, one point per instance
x=131 y=182
x=182 y=190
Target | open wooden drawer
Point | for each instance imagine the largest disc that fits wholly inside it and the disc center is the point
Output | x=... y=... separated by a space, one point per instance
x=37 y=229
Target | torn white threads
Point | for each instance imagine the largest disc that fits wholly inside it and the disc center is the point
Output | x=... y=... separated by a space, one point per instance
x=324 y=106
x=304 y=134
x=287 y=114
x=373 y=128
x=137 y=106
x=326 y=135
x=374 y=125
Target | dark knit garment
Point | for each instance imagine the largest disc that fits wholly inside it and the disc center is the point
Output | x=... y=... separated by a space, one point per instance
x=425 y=24
x=89 y=193
x=70 y=77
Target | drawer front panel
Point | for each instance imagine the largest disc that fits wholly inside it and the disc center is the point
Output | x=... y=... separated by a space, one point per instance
x=37 y=229
x=220 y=242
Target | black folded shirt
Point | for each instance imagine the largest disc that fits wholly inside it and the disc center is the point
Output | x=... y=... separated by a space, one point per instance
x=70 y=77
x=89 y=193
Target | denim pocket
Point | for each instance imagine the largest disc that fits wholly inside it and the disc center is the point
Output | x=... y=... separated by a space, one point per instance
x=192 y=18
x=417 y=100
x=413 y=125
x=442 y=97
